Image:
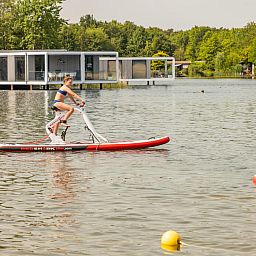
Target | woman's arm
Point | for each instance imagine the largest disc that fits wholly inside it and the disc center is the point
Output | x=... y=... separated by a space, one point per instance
x=72 y=99
x=73 y=95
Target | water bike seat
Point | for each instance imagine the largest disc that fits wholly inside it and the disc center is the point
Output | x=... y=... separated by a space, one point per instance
x=53 y=108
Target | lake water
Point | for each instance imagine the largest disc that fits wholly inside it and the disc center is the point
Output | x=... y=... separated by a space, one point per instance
x=120 y=203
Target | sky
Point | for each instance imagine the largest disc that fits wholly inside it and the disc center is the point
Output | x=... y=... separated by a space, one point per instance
x=165 y=14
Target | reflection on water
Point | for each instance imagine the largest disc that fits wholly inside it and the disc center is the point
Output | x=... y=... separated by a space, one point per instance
x=62 y=176
x=120 y=203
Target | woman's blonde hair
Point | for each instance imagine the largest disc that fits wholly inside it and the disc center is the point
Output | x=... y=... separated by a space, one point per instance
x=66 y=78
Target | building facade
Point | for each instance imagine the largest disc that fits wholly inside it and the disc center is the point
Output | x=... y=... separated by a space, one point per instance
x=50 y=67
x=46 y=68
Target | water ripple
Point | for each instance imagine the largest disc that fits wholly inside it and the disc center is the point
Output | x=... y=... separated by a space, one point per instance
x=120 y=203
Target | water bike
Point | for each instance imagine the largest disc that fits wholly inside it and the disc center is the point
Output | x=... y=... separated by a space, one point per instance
x=96 y=142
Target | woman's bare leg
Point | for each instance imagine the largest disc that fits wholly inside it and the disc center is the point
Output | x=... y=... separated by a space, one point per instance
x=63 y=106
x=55 y=128
x=68 y=114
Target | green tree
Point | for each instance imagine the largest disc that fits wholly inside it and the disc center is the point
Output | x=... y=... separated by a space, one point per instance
x=94 y=39
x=88 y=21
x=252 y=51
x=209 y=48
x=197 y=69
x=232 y=61
x=68 y=37
x=6 y=18
x=196 y=38
x=117 y=35
x=157 y=65
x=180 y=42
x=136 y=43
x=37 y=23
x=219 y=61
x=158 y=40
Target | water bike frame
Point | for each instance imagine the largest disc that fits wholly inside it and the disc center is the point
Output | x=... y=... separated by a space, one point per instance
x=88 y=125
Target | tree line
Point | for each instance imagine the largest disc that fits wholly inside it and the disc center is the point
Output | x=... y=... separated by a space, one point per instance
x=37 y=24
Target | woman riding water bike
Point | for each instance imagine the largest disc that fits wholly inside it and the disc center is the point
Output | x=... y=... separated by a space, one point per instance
x=58 y=102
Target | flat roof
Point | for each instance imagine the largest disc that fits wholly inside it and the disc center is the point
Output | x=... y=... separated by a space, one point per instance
x=146 y=58
x=46 y=50
x=57 y=52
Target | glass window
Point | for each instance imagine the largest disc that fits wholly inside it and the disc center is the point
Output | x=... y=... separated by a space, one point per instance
x=19 y=68
x=89 y=68
x=39 y=67
x=36 y=67
x=139 y=69
x=3 y=69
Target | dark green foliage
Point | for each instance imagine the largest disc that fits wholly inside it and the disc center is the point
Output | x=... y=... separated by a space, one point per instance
x=31 y=24
x=158 y=64
x=36 y=24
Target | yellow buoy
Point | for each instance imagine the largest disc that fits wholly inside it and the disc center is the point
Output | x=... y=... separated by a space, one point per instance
x=171 y=238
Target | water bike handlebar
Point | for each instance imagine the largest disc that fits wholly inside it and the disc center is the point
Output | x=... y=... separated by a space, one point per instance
x=80 y=105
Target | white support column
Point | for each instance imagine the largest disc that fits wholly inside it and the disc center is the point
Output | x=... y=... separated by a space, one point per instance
x=11 y=68
x=117 y=67
x=46 y=68
x=26 y=68
x=173 y=68
x=82 y=67
x=165 y=69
